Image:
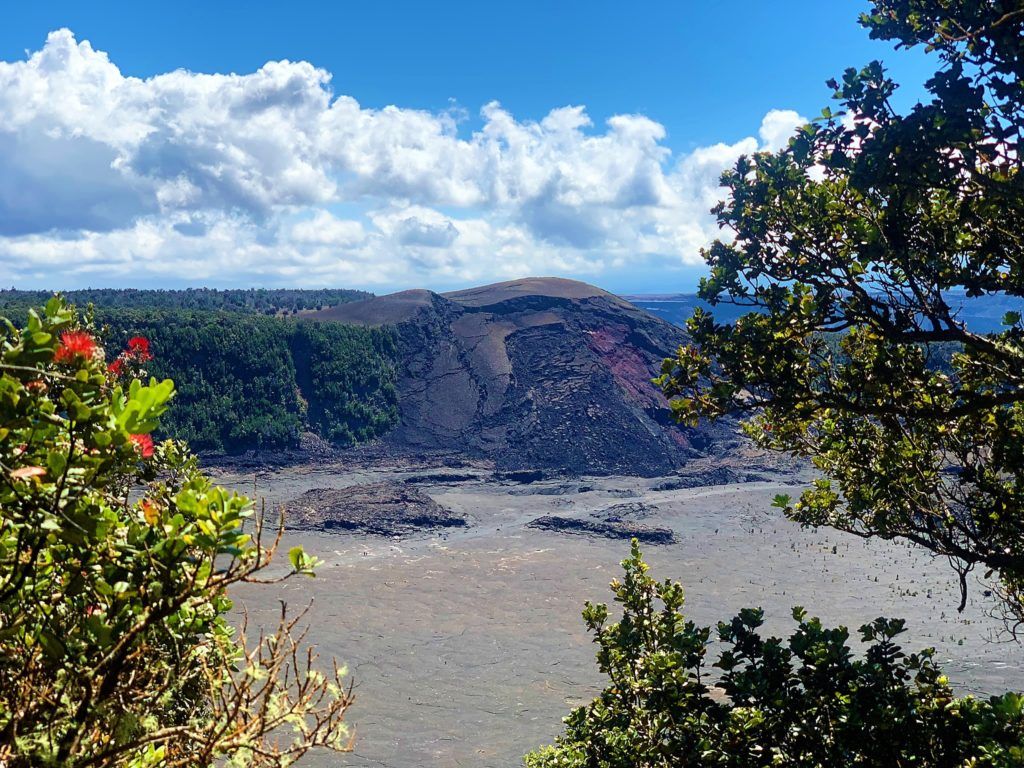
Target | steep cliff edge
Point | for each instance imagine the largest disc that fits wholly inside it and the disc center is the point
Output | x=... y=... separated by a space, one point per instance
x=541 y=373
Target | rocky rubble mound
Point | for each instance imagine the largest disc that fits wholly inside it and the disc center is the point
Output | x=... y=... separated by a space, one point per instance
x=384 y=509
x=633 y=510
x=618 y=521
x=618 y=529
x=701 y=477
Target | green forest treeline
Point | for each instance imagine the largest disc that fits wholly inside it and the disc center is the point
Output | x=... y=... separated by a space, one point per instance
x=267 y=301
x=247 y=379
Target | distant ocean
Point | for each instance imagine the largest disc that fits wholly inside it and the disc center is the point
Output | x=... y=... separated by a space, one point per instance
x=982 y=314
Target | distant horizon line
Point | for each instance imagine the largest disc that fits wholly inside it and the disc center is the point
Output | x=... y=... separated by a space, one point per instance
x=651 y=296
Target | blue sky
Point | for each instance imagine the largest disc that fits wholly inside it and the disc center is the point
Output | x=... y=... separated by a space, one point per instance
x=406 y=143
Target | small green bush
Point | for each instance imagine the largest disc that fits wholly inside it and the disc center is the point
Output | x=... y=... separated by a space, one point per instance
x=805 y=702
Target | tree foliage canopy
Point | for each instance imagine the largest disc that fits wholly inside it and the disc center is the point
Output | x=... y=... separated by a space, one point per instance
x=250 y=382
x=267 y=301
x=116 y=555
x=802 y=702
x=863 y=226
x=244 y=380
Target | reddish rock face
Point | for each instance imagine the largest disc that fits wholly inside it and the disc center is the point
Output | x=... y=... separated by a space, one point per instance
x=540 y=373
x=632 y=367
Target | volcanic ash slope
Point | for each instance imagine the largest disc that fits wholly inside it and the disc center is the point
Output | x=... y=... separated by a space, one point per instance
x=540 y=373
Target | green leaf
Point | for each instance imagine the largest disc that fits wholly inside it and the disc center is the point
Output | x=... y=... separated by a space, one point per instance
x=296 y=556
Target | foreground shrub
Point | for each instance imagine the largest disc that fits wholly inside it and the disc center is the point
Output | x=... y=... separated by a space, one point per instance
x=806 y=701
x=116 y=555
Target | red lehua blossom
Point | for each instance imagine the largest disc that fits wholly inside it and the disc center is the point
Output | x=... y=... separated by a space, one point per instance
x=116 y=367
x=74 y=345
x=143 y=444
x=139 y=347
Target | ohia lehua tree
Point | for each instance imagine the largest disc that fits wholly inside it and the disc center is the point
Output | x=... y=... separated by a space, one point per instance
x=116 y=554
x=854 y=248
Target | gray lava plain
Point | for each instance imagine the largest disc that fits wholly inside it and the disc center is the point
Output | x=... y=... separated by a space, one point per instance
x=466 y=643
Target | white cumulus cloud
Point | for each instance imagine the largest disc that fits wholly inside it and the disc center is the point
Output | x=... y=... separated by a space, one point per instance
x=272 y=178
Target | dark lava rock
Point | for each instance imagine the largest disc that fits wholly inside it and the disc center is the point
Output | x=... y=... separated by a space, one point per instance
x=636 y=510
x=521 y=476
x=604 y=528
x=622 y=493
x=559 y=489
x=540 y=374
x=706 y=477
x=385 y=509
x=441 y=478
